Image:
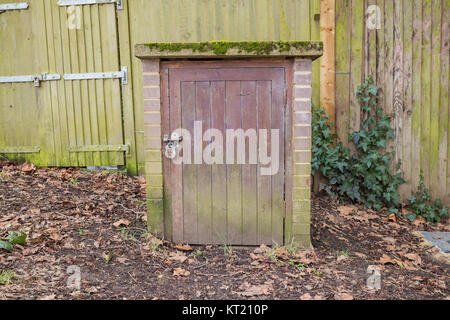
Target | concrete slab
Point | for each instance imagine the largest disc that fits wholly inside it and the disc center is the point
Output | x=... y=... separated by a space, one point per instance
x=441 y=240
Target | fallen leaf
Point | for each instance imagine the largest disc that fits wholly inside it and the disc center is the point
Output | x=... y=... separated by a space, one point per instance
x=180 y=272
x=124 y=222
x=306 y=296
x=258 y=290
x=177 y=256
x=183 y=247
x=414 y=257
x=392 y=217
x=385 y=259
x=346 y=210
x=345 y=296
x=28 y=167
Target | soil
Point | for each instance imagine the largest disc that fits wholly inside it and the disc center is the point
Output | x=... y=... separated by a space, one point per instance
x=96 y=221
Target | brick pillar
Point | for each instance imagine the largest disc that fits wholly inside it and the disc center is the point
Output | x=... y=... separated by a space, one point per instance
x=152 y=142
x=301 y=207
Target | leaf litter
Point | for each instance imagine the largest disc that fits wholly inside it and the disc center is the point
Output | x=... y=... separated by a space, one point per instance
x=97 y=221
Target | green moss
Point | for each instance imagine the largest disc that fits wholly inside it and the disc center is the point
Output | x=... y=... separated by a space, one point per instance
x=251 y=47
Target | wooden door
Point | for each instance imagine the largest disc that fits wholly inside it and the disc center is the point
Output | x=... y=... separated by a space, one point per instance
x=233 y=202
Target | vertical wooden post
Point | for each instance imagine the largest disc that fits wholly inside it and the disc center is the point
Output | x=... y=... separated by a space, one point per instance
x=327 y=68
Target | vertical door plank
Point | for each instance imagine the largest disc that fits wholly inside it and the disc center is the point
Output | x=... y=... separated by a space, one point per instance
x=92 y=96
x=99 y=66
x=115 y=125
x=189 y=192
x=74 y=34
x=219 y=171
x=62 y=152
x=68 y=85
x=204 y=212
x=234 y=186
x=84 y=93
x=249 y=171
x=179 y=95
x=278 y=177
x=264 y=182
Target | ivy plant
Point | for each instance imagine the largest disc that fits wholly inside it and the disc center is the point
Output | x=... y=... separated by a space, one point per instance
x=364 y=175
x=421 y=204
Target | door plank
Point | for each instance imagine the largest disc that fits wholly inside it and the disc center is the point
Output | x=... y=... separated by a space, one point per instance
x=203 y=114
x=249 y=171
x=219 y=171
x=264 y=182
x=278 y=179
x=189 y=192
x=234 y=187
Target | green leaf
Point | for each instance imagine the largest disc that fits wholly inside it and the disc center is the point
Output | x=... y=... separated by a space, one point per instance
x=6 y=245
x=17 y=237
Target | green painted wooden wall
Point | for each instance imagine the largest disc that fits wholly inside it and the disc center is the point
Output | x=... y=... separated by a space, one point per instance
x=409 y=59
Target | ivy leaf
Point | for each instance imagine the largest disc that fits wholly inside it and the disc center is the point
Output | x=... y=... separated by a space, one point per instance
x=16 y=237
x=6 y=245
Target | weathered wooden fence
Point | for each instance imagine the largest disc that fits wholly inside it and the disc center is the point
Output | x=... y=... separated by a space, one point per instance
x=93 y=122
x=404 y=45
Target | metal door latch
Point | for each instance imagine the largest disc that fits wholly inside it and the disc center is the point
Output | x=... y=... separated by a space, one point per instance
x=172 y=145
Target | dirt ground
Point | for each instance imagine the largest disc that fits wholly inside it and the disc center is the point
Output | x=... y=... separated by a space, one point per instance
x=96 y=222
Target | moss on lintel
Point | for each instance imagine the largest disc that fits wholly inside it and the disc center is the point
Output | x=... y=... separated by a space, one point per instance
x=230 y=48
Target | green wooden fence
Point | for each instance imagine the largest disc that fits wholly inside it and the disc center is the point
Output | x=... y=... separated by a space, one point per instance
x=83 y=122
x=408 y=56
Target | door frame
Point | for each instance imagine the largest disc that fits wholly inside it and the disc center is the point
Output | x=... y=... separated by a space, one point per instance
x=287 y=64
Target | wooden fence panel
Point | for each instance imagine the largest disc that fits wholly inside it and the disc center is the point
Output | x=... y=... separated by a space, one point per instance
x=408 y=56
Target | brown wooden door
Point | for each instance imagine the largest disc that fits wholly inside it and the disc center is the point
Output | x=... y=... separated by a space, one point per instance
x=225 y=203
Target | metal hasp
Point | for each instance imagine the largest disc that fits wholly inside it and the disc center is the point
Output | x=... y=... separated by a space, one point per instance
x=13 y=6
x=64 y=3
x=37 y=78
x=123 y=75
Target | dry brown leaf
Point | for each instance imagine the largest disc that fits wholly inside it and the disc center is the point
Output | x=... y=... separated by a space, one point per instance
x=261 y=249
x=345 y=296
x=360 y=255
x=180 y=272
x=177 y=256
x=414 y=257
x=346 y=210
x=258 y=290
x=392 y=217
x=183 y=247
x=306 y=296
x=28 y=167
x=124 y=222
x=385 y=259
